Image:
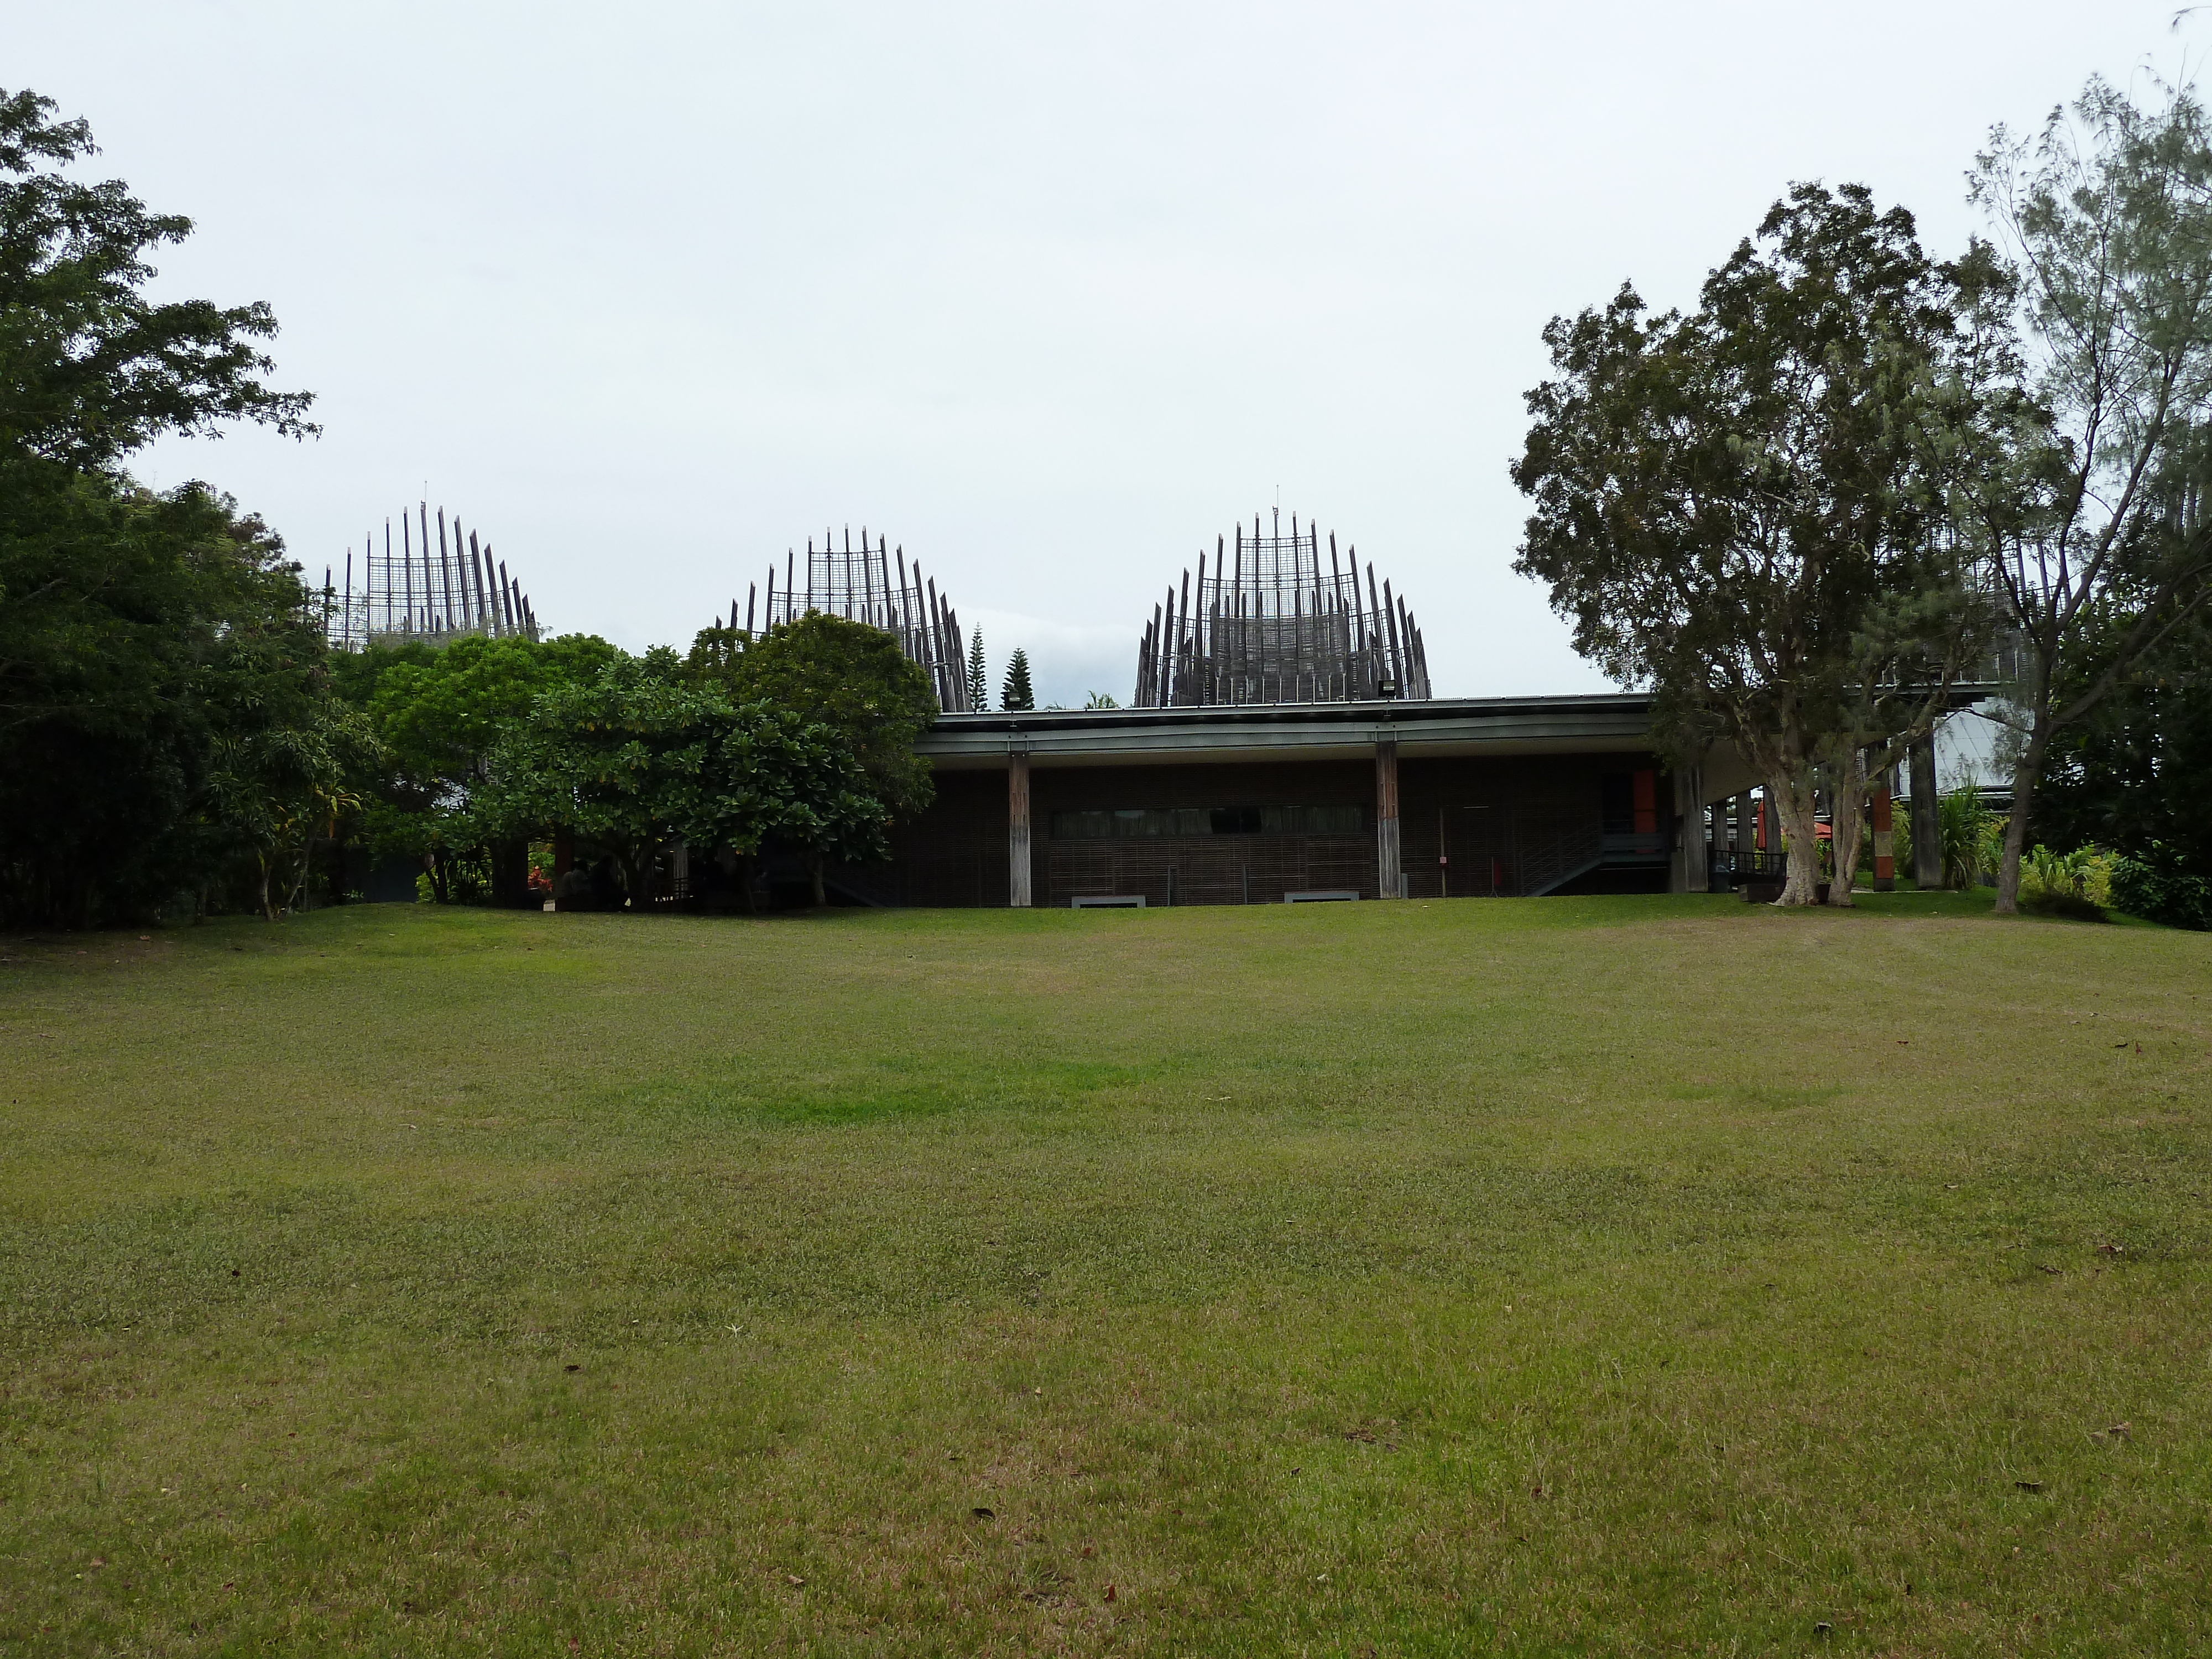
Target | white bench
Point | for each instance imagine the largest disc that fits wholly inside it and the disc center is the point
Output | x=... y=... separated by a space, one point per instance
x=1112 y=902
x=1322 y=895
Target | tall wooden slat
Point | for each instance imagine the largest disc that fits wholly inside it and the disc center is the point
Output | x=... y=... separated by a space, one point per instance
x=1397 y=653
x=444 y=568
x=480 y=569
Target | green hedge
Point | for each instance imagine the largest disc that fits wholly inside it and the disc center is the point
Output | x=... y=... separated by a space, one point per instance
x=2157 y=888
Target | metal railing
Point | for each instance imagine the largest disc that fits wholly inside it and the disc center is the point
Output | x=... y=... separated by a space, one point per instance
x=1728 y=867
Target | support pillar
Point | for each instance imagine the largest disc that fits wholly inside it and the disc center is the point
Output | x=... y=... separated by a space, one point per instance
x=1389 y=880
x=1885 y=837
x=1691 y=871
x=1018 y=894
x=1927 y=823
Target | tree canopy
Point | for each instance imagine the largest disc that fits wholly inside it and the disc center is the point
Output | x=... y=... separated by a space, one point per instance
x=166 y=714
x=165 y=703
x=2106 y=219
x=1740 y=507
x=437 y=713
x=637 y=755
x=843 y=675
x=90 y=369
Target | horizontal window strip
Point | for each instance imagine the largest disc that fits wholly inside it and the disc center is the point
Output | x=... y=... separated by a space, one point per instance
x=1147 y=822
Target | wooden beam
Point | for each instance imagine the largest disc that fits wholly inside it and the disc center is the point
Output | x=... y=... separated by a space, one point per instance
x=1691 y=868
x=1389 y=880
x=1019 y=893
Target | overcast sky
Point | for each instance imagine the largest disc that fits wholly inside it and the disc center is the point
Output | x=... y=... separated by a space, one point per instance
x=1049 y=294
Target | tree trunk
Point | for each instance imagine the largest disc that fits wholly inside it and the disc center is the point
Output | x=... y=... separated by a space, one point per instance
x=1800 y=824
x=814 y=869
x=1847 y=818
x=2026 y=770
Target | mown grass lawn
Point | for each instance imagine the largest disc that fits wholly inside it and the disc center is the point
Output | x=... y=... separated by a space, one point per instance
x=1611 y=1276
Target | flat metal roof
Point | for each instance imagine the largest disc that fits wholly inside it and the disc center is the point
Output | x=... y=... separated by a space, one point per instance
x=1600 y=723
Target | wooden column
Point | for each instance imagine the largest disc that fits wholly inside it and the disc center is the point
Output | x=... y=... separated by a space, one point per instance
x=1693 y=872
x=1927 y=824
x=1018 y=892
x=1388 y=880
x=1885 y=837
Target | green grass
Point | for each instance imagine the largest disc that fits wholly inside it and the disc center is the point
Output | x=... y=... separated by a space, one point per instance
x=1606 y=1276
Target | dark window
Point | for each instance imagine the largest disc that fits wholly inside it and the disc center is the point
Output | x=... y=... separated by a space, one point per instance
x=1620 y=802
x=1135 y=822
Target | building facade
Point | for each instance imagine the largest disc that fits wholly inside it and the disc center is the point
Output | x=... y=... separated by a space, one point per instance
x=1458 y=797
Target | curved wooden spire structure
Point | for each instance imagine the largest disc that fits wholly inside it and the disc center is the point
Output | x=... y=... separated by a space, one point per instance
x=412 y=590
x=875 y=585
x=1268 y=625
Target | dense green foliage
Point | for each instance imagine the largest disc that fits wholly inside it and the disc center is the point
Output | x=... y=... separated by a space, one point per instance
x=2156 y=885
x=166 y=722
x=175 y=730
x=2106 y=219
x=2137 y=768
x=90 y=369
x=846 y=676
x=167 y=726
x=437 y=713
x=640 y=754
x=1854 y=476
x=1738 y=506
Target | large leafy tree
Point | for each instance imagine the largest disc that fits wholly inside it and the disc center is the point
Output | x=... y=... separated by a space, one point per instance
x=283 y=756
x=438 y=713
x=843 y=675
x=90 y=369
x=2136 y=771
x=1741 y=507
x=2105 y=215
x=164 y=704
x=638 y=755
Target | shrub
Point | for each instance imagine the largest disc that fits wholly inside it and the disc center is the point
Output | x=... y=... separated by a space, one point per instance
x=2059 y=884
x=1972 y=836
x=2157 y=888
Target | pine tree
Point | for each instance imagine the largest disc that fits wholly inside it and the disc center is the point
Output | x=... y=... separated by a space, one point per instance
x=1016 y=695
x=979 y=677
